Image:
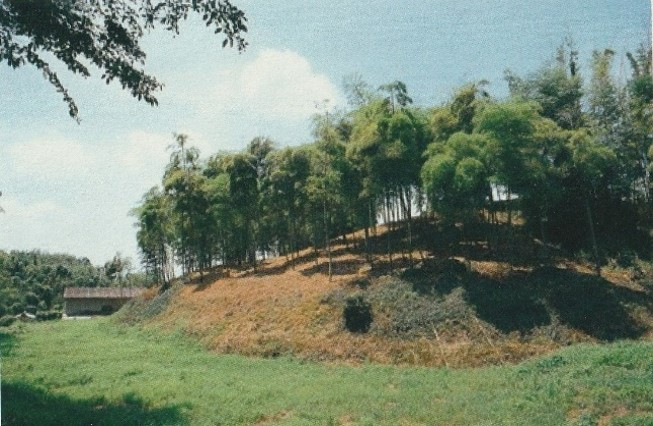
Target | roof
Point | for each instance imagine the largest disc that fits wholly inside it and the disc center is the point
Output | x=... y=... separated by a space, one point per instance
x=101 y=292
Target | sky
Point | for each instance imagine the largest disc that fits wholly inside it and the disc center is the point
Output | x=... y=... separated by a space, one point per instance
x=69 y=187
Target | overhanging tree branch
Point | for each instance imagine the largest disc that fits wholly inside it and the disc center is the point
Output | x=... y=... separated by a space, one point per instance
x=105 y=33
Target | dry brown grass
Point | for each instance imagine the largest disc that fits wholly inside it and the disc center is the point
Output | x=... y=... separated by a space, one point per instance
x=149 y=293
x=280 y=309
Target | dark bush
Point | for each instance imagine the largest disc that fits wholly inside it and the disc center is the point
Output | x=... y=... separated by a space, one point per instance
x=357 y=314
x=435 y=276
x=361 y=283
x=48 y=315
x=7 y=321
x=626 y=258
x=17 y=308
x=31 y=299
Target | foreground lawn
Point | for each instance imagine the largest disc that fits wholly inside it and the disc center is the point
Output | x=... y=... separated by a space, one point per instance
x=97 y=372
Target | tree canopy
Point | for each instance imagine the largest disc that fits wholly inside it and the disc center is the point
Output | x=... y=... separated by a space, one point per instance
x=105 y=34
x=571 y=161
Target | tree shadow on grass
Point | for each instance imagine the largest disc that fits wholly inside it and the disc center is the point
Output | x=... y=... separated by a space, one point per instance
x=208 y=278
x=264 y=269
x=7 y=343
x=510 y=305
x=23 y=404
x=523 y=301
x=338 y=267
x=592 y=304
x=584 y=302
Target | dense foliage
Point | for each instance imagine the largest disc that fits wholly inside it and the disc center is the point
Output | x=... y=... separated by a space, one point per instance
x=570 y=156
x=34 y=281
x=103 y=33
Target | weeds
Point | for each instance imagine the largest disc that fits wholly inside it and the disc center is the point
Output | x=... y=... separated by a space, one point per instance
x=140 y=309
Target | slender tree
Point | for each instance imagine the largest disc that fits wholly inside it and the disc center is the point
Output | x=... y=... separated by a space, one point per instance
x=592 y=163
x=155 y=235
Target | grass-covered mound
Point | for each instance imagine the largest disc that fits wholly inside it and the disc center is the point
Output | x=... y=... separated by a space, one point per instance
x=463 y=306
x=97 y=372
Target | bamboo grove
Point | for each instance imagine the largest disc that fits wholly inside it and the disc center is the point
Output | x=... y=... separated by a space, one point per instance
x=570 y=153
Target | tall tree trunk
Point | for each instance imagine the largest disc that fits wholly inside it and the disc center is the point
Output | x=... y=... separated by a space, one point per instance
x=509 y=207
x=590 y=221
x=398 y=214
x=367 y=243
x=373 y=208
x=491 y=219
x=388 y=227
x=543 y=221
x=326 y=235
x=315 y=244
x=511 y=234
x=291 y=225
x=407 y=204
x=368 y=224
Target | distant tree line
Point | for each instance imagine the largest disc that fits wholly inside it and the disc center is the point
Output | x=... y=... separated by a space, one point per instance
x=571 y=155
x=34 y=281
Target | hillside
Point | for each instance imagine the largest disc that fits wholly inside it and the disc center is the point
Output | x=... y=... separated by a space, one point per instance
x=448 y=309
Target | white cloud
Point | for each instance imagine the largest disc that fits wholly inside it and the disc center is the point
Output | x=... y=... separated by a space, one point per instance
x=41 y=210
x=42 y=224
x=130 y=161
x=48 y=158
x=71 y=190
x=70 y=196
x=272 y=94
x=96 y=228
x=142 y=149
x=278 y=84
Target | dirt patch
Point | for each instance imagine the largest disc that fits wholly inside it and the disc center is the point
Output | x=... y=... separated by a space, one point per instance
x=274 y=418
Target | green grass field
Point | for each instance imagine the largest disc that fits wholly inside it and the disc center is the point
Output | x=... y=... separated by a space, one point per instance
x=97 y=372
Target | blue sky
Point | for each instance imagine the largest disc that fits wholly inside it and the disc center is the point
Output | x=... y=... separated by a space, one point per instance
x=69 y=187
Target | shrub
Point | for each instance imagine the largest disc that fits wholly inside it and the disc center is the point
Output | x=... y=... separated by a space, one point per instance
x=140 y=309
x=420 y=315
x=31 y=299
x=48 y=315
x=17 y=308
x=6 y=321
x=361 y=282
x=357 y=314
x=435 y=276
x=626 y=258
